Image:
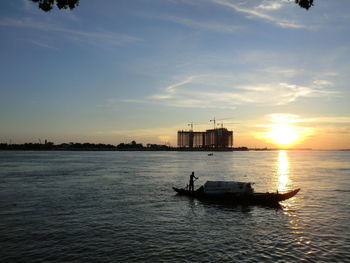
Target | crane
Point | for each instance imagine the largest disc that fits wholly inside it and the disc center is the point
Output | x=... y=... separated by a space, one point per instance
x=222 y=123
x=213 y=121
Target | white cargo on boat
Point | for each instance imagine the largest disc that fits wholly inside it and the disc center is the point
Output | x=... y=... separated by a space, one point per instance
x=223 y=187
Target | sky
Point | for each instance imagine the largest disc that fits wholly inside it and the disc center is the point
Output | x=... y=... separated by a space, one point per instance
x=116 y=71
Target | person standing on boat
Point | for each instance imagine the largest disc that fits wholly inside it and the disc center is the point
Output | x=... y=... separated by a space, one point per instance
x=192 y=182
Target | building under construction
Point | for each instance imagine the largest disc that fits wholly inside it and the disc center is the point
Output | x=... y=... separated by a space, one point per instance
x=214 y=138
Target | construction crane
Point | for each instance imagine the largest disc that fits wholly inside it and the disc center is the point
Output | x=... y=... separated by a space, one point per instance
x=221 y=124
x=191 y=124
x=214 y=122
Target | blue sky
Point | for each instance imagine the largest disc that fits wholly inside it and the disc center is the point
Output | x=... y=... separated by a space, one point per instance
x=114 y=71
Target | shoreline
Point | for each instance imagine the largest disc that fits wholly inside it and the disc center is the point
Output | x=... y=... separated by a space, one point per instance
x=148 y=149
x=136 y=147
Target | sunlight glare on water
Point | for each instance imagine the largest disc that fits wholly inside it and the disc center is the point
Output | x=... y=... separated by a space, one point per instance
x=282 y=171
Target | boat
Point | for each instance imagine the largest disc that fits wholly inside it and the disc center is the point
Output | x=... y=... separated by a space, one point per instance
x=230 y=192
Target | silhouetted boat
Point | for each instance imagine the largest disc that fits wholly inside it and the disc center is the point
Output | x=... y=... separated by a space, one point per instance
x=235 y=193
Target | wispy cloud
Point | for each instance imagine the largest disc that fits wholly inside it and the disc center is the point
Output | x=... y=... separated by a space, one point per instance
x=202 y=25
x=257 y=13
x=92 y=37
x=40 y=43
x=333 y=120
x=289 y=118
x=269 y=5
x=286 y=72
x=222 y=92
x=291 y=92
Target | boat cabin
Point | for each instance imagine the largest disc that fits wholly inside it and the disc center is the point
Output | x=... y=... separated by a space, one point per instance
x=223 y=187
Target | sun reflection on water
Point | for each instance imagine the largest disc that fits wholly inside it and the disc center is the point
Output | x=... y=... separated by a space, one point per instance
x=282 y=171
x=283 y=181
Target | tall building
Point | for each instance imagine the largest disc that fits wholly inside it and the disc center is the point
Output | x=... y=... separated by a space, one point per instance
x=214 y=138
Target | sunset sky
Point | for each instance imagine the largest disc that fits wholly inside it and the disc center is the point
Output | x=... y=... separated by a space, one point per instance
x=115 y=71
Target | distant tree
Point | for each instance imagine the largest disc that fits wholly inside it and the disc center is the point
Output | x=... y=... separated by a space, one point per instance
x=47 y=5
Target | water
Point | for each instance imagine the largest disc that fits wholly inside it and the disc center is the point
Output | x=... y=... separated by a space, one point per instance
x=119 y=207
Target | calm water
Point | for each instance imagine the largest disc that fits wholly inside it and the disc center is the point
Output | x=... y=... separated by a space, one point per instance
x=119 y=207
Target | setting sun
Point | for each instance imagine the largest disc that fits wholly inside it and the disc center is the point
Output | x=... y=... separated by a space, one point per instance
x=284 y=130
x=283 y=134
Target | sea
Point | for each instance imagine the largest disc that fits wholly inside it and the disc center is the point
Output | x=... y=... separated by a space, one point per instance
x=110 y=206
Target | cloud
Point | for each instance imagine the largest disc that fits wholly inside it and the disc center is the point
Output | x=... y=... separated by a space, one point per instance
x=333 y=120
x=288 y=118
x=188 y=93
x=203 y=25
x=339 y=131
x=287 y=72
x=292 y=91
x=322 y=83
x=100 y=37
x=269 y=5
x=223 y=92
x=255 y=13
x=40 y=43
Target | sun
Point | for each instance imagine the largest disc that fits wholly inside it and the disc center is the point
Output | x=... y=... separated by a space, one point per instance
x=283 y=134
x=285 y=130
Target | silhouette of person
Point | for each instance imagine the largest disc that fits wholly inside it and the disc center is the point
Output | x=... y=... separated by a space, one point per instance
x=192 y=182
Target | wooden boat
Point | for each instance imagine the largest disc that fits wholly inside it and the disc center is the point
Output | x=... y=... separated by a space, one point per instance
x=245 y=196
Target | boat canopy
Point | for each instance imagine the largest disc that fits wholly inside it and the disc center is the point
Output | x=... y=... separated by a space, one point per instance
x=222 y=187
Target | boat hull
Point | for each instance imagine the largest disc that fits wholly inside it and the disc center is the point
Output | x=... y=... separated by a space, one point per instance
x=269 y=199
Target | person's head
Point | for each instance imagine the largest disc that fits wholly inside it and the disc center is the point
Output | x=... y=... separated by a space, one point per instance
x=192 y=172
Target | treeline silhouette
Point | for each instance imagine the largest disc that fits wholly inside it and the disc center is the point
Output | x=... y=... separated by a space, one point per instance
x=47 y=5
x=132 y=146
x=49 y=146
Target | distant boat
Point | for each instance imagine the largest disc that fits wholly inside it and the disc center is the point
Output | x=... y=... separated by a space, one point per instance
x=210 y=154
x=229 y=192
